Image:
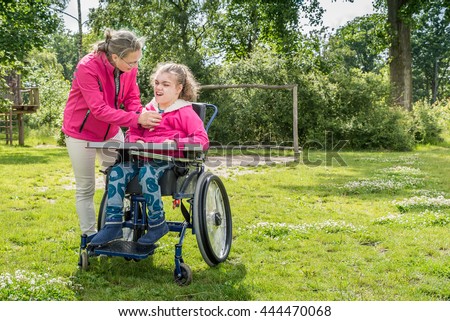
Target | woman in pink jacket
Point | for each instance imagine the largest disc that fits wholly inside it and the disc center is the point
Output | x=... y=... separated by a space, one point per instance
x=104 y=96
x=174 y=86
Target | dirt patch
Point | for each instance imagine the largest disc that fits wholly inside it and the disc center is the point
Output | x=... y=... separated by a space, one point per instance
x=240 y=165
x=47 y=146
x=245 y=161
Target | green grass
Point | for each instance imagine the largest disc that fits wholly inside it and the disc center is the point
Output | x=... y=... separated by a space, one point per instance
x=376 y=229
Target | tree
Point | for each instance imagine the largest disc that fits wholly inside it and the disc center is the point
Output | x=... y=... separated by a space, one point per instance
x=431 y=52
x=400 y=53
x=45 y=72
x=80 y=26
x=400 y=18
x=171 y=27
x=362 y=43
x=242 y=25
x=65 y=46
x=202 y=33
x=24 y=25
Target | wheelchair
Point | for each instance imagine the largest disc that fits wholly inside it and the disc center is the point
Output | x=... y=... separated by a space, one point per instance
x=207 y=212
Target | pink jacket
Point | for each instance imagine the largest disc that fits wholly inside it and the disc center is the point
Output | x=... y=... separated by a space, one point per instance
x=179 y=123
x=91 y=111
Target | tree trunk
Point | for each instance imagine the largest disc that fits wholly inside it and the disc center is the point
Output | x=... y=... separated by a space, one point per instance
x=400 y=54
x=80 y=31
x=435 y=82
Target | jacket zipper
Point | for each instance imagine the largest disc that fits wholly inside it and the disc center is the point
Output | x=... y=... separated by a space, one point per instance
x=89 y=111
x=117 y=90
x=84 y=120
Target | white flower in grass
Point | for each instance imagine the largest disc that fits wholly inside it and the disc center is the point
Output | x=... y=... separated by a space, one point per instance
x=425 y=218
x=402 y=170
x=388 y=218
x=379 y=185
x=422 y=201
x=278 y=230
x=432 y=193
x=31 y=286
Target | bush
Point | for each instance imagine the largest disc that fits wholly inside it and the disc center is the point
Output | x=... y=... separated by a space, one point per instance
x=429 y=121
x=350 y=104
x=46 y=73
x=252 y=115
x=362 y=113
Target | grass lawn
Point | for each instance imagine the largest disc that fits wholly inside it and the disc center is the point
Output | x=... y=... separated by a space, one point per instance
x=374 y=228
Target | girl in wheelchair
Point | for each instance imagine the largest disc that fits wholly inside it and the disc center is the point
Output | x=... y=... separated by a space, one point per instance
x=174 y=87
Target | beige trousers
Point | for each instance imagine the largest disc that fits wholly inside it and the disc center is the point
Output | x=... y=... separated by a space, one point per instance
x=83 y=164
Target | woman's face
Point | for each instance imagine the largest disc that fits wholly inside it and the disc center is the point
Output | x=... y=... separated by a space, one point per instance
x=128 y=62
x=166 y=89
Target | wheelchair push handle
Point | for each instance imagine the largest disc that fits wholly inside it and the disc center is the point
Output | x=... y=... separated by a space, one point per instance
x=213 y=116
x=200 y=109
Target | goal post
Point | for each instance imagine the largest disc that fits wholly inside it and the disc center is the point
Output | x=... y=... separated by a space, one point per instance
x=294 y=89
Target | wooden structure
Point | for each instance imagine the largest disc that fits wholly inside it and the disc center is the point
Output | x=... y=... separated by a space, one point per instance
x=23 y=101
x=294 y=89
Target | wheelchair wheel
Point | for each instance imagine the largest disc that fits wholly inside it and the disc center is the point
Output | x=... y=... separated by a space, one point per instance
x=84 y=260
x=186 y=275
x=212 y=219
x=102 y=212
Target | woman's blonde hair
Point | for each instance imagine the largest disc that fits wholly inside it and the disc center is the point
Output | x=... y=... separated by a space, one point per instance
x=184 y=77
x=119 y=42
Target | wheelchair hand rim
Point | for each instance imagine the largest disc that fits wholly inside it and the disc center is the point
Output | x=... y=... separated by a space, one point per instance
x=212 y=219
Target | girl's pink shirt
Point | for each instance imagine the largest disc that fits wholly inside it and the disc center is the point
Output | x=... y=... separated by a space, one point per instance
x=179 y=123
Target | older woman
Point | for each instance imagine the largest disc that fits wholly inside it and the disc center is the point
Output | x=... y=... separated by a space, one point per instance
x=104 y=97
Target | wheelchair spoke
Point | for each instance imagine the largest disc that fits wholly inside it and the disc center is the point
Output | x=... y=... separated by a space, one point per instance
x=216 y=220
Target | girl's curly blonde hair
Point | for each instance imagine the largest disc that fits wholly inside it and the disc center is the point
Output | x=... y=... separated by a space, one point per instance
x=184 y=77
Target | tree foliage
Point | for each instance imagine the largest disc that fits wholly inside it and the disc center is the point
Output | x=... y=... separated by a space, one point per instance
x=350 y=104
x=343 y=85
x=431 y=52
x=362 y=43
x=65 y=46
x=240 y=26
x=401 y=19
x=45 y=72
x=24 y=25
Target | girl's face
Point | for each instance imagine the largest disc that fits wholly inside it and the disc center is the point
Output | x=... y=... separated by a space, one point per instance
x=166 y=88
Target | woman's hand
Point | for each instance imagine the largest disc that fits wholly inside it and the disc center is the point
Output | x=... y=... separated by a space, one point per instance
x=149 y=119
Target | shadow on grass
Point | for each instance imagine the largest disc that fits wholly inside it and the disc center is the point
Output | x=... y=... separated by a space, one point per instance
x=22 y=157
x=115 y=279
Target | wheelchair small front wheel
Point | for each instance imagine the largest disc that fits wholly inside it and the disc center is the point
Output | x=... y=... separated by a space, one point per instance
x=84 y=260
x=212 y=219
x=186 y=275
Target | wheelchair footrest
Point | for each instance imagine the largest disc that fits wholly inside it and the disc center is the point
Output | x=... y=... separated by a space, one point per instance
x=126 y=249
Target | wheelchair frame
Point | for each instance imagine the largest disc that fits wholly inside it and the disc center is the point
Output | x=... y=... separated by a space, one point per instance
x=208 y=214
